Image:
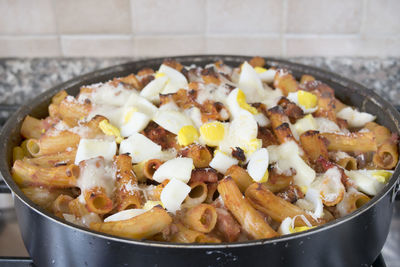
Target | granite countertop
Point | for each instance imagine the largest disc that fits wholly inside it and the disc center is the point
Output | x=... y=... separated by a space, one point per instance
x=22 y=79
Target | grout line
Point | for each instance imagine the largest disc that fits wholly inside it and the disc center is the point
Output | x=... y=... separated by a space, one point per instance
x=95 y=36
x=283 y=27
x=365 y=5
x=29 y=36
x=60 y=45
x=316 y=35
x=205 y=32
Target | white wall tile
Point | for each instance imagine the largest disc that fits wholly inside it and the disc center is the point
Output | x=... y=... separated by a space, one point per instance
x=342 y=46
x=168 y=16
x=237 y=16
x=41 y=46
x=93 y=16
x=153 y=46
x=26 y=17
x=324 y=16
x=382 y=17
x=97 y=46
x=244 y=45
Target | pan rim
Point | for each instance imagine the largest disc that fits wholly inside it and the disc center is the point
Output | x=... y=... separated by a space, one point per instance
x=368 y=94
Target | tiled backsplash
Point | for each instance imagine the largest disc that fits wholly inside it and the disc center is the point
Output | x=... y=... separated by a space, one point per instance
x=36 y=28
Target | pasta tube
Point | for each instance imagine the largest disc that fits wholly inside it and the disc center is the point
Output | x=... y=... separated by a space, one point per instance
x=138 y=227
x=278 y=209
x=361 y=142
x=250 y=220
x=26 y=174
x=127 y=197
x=97 y=200
x=201 y=218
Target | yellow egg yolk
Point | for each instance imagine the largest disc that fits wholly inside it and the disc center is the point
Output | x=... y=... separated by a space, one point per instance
x=212 y=132
x=306 y=99
x=241 y=100
x=187 y=135
x=109 y=129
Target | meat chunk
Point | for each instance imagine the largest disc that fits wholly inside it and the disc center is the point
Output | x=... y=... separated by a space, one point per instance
x=227 y=226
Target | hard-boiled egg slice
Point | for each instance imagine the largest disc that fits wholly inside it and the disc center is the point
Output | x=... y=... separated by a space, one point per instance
x=305 y=100
x=134 y=121
x=124 y=215
x=258 y=165
x=91 y=148
x=173 y=194
x=172 y=120
x=236 y=101
x=195 y=115
x=355 y=118
x=221 y=161
x=141 y=104
x=265 y=75
x=140 y=148
x=287 y=156
x=250 y=83
x=153 y=89
x=112 y=113
x=287 y=224
x=369 y=181
x=242 y=133
x=111 y=130
x=178 y=168
x=176 y=80
x=305 y=124
x=212 y=133
x=187 y=135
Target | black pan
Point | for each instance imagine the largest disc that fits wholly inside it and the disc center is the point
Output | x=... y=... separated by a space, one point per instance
x=354 y=240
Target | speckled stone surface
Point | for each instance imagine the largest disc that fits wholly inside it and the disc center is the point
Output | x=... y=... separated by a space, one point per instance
x=21 y=79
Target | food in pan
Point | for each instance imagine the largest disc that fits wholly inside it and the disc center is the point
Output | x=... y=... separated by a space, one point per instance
x=203 y=154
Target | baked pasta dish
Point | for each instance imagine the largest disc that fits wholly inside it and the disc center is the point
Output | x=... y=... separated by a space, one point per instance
x=203 y=154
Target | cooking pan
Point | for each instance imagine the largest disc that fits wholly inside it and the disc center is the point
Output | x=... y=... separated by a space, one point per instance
x=354 y=240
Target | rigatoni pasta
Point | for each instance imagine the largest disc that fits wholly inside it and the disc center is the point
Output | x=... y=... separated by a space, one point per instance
x=203 y=154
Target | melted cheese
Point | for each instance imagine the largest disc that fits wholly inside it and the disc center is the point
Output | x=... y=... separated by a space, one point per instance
x=287 y=156
x=96 y=173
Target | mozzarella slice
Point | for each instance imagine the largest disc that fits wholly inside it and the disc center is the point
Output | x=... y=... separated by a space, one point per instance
x=92 y=148
x=135 y=122
x=178 y=168
x=368 y=181
x=287 y=156
x=325 y=125
x=140 y=148
x=261 y=119
x=258 y=165
x=153 y=89
x=124 y=215
x=172 y=120
x=312 y=202
x=305 y=124
x=330 y=186
x=267 y=76
x=221 y=162
x=355 y=118
x=173 y=194
x=176 y=80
